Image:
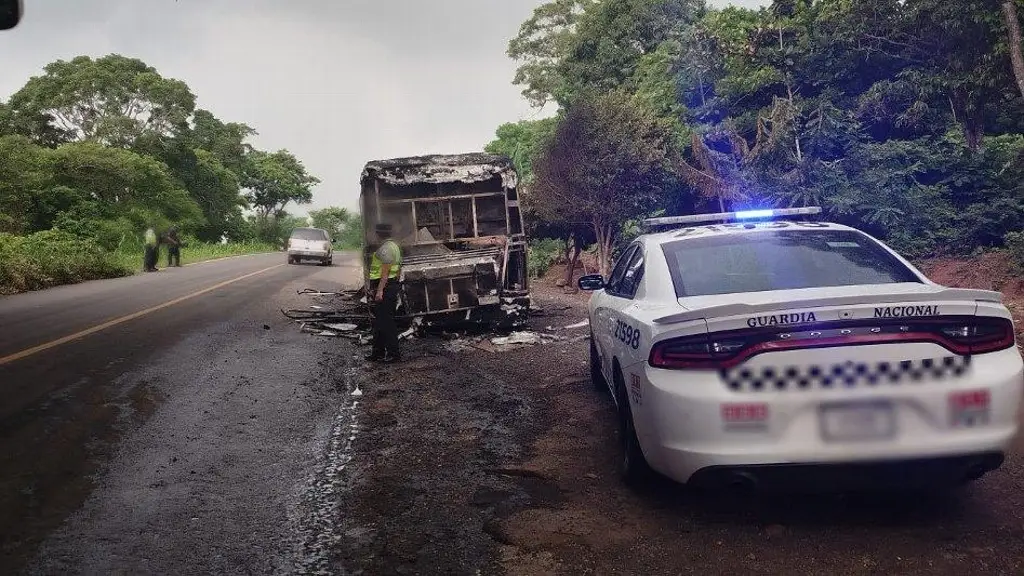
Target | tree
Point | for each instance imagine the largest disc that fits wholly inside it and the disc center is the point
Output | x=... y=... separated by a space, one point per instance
x=606 y=163
x=24 y=174
x=274 y=179
x=112 y=100
x=346 y=227
x=542 y=43
x=121 y=181
x=521 y=142
x=226 y=141
x=613 y=36
x=278 y=227
x=1015 y=42
x=208 y=159
x=335 y=220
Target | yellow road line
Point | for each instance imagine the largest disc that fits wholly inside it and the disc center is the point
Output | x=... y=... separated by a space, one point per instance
x=123 y=319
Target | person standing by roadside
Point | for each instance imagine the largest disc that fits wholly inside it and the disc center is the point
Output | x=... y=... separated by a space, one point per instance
x=385 y=267
x=152 y=250
x=173 y=248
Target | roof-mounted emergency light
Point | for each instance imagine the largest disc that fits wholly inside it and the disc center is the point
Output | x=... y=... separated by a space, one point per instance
x=744 y=215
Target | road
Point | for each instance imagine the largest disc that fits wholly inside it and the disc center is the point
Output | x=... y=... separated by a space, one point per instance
x=205 y=481
x=176 y=423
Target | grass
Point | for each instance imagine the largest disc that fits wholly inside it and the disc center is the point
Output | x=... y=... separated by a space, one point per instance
x=194 y=252
x=54 y=258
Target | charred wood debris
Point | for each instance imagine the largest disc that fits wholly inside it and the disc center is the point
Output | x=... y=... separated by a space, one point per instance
x=349 y=315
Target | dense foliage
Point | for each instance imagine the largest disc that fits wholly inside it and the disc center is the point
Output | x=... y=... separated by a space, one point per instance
x=100 y=149
x=902 y=117
x=345 y=227
x=106 y=146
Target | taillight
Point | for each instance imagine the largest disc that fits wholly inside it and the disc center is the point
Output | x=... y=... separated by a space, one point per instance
x=980 y=335
x=695 y=352
x=966 y=336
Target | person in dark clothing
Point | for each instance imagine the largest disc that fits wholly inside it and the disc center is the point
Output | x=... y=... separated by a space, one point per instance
x=385 y=269
x=173 y=247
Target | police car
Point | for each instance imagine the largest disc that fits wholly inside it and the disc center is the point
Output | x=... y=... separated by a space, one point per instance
x=767 y=349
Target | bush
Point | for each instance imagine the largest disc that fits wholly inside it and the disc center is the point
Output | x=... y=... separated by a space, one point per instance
x=1015 y=246
x=542 y=254
x=52 y=258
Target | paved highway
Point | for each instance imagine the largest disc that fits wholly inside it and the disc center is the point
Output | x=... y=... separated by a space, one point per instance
x=86 y=458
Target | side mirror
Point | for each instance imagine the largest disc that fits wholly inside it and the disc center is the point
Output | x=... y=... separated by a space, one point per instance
x=10 y=13
x=591 y=282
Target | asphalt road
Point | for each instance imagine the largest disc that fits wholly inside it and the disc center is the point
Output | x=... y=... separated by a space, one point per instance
x=177 y=423
x=94 y=479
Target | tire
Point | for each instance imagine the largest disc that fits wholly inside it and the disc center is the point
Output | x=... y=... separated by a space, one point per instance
x=291 y=260
x=597 y=379
x=633 y=468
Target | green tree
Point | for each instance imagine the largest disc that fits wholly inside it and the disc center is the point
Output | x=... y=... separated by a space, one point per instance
x=273 y=180
x=122 y=182
x=607 y=163
x=542 y=44
x=521 y=141
x=613 y=36
x=226 y=141
x=111 y=100
x=24 y=174
x=335 y=219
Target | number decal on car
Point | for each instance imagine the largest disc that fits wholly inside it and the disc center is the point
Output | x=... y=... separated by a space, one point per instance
x=627 y=334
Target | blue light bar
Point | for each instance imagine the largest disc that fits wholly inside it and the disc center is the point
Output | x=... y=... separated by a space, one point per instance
x=731 y=216
x=747 y=214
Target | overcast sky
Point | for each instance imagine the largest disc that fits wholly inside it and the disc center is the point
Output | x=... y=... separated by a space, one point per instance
x=337 y=82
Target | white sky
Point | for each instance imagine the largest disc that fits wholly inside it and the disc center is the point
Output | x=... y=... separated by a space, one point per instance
x=337 y=82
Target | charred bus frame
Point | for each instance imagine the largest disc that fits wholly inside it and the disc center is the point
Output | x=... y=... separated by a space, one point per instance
x=458 y=220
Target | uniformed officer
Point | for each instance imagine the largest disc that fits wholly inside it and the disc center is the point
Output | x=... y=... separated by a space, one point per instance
x=152 y=243
x=385 y=266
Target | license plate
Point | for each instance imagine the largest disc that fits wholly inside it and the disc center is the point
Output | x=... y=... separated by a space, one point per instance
x=486 y=300
x=858 y=421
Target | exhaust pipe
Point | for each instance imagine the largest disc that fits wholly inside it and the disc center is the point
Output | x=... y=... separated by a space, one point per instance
x=741 y=483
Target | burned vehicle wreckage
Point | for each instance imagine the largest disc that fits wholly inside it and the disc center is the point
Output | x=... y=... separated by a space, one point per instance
x=458 y=221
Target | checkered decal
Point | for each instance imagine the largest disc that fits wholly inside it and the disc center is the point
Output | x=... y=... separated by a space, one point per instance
x=847 y=375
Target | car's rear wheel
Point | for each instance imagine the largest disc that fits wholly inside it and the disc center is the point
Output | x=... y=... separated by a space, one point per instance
x=291 y=260
x=634 y=469
x=597 y=378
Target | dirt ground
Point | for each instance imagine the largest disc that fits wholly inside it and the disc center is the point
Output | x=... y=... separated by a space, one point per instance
x=470 y=461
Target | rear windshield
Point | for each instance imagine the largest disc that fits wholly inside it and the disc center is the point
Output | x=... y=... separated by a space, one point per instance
x=308 y=234
x=780 y=260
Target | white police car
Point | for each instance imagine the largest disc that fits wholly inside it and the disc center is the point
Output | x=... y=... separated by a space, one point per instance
x=772 y=350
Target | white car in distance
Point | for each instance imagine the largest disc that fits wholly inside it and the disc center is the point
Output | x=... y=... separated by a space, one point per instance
x=765 y=349
x=310 y=244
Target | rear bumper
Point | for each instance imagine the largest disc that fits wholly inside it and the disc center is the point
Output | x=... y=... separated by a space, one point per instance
x=936 y=472
x=685 y=433
x=308 y=254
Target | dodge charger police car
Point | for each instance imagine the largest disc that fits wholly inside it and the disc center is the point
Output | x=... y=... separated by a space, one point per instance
x=769 y=349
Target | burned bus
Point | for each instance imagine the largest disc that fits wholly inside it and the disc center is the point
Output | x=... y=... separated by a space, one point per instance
x=458 y=221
